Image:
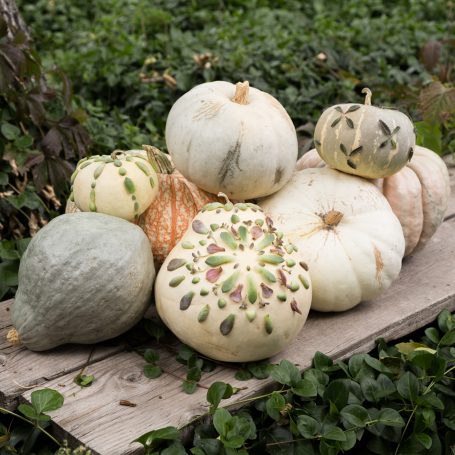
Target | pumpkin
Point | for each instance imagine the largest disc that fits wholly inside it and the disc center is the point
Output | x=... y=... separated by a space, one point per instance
x=172 y=211
x=365 y=140
x=347 y=232
x=234 y=288
x=122 y=184
x=232 y=138
x=84 y=278
x=418 y=194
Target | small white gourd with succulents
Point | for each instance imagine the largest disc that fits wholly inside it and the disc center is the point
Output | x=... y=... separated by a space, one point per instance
x=122 y=184
x=365 y=140
x=233 y=139
x=234 y=288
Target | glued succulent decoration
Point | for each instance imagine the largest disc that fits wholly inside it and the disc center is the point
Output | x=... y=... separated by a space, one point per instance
x=365 y=140
x=234 y=288
x=418 y=194
x=122 y=184
x=232 y=138
x=352 y=241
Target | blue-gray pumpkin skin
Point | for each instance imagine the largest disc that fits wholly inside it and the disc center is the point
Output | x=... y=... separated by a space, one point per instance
x=84 y=278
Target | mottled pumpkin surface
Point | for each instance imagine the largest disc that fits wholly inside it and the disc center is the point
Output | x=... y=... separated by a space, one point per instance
x=84 y=278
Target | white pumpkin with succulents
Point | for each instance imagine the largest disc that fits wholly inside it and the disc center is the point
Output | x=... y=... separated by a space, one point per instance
x=234 y=288
x=232 y=138
x=122 y=184
x=365 y=140
x=346 y=230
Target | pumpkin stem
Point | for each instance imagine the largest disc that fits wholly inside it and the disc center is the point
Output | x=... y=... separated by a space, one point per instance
x=241 y=92
x=368 y=94
x=332 y=218
x=13 y=337
x=159 y=160
x=116 y=153
x=224 y=197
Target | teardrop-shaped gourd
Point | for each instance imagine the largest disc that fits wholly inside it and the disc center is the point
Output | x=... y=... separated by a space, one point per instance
x=232 y=138
x=84 y=278
x=237 y=299
x=172 y=211
x=122 y=184
x=365 y=140
x=418 y=194
x=352 y=241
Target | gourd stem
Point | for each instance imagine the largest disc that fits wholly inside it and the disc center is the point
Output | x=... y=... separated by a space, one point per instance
x=332 y=218
x=116 y=153
x=241 y=92
x=224 y=197
x=159 y=160
x=368 y=95
x=13 y=337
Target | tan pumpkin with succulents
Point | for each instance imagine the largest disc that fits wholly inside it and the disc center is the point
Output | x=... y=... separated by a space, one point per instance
x=234 y=288
x=418 y=194
x=172 y=211
x=365 y=140
x=122 y=184
x=232 y=138
x=346 y=231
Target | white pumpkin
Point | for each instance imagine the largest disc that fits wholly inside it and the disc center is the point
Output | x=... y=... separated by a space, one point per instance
x=232 y=138
x=122 y=184
x=234 y=288
x=346 y=231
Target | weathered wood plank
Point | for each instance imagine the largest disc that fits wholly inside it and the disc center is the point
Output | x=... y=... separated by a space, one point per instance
x=21 y=368
x=94 y=417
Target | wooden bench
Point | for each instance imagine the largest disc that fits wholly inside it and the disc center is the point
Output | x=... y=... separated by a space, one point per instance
x=93 y=415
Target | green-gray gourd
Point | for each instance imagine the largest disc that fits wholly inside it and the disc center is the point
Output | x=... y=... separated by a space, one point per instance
x=84 y=278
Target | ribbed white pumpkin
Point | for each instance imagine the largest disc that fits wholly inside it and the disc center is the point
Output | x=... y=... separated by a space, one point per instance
x=232 y=138
x=364 y=140
x=418 y=194
x=346 y=231
x=234 y=288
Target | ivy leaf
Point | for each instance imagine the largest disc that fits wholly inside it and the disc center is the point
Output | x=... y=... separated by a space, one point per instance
x=189 y=387
x=448 y=339
x=305 y=388
x=221 y=418
x=355 y=415
x=408 y=386
x=152 y=371
x=166 y=433
x=11 y=132
x=28 y=411
x=430 y=400
x=286 y=373
x=151 y=356
x=243 y=375
x=217 y=392
x=445 y=321
x=424 y=439
x=308 y=427
x=334 y=434
x=337 y=393
x=432 y=334
x=274 y=405
x=45 y=400
x=260 y=370
x=84 y=380
x=194 y=374
x=390 y=417
x=321 y=361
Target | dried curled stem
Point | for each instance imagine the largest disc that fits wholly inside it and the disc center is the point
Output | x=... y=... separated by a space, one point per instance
x=332 y=218
x=368 y=95
x=241 y=92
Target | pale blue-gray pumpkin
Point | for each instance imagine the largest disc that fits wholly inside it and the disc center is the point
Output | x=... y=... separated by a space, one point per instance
x=365 y=140
x=84 y=278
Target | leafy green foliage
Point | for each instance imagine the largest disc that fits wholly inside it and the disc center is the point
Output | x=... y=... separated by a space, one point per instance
x=398 y=400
